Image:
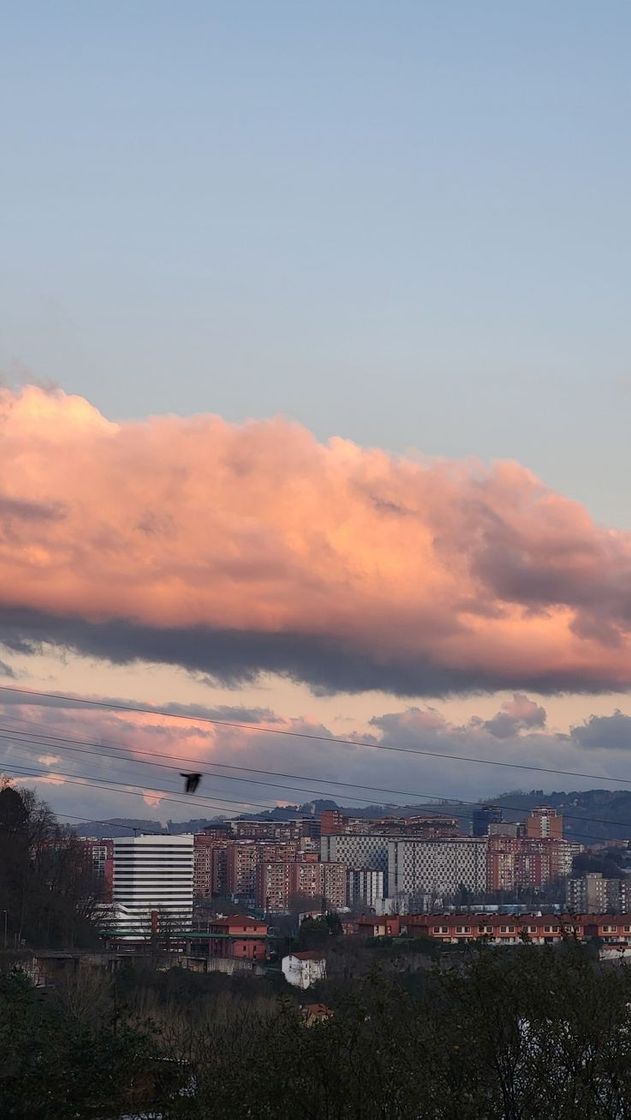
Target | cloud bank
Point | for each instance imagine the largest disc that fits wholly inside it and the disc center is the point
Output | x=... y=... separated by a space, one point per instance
x=232 y=550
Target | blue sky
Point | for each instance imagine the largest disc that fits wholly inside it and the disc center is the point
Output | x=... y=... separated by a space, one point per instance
x=403 y=223
x=406 y=223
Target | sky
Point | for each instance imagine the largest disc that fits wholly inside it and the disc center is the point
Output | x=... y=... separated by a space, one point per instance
x=316 y=362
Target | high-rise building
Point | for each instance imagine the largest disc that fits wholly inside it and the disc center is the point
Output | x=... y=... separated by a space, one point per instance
x=593 y=894
x=332 y=821
x=241 y=859
x=152 y=889
x=333 y=885
x=357 y=850
x=364 y=886
x=429 y=828
x=100 y=854
x=209 y=877
x=279 y=882
x=273 y=886
x=254 y=830
x=502 y=852
x=440 y=866
x=520 y=862
x=309 y=827
x=483 y=817
x=544 y=823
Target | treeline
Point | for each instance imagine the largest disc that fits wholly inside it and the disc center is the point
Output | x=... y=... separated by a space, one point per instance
x=47 y=888
x=526 y=1034
x=515 y=1034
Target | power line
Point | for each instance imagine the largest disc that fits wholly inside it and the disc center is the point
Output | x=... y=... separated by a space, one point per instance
x=113 y=706
x=53 y=742
x=118 y=824
x=131 y=787
x=81 y=746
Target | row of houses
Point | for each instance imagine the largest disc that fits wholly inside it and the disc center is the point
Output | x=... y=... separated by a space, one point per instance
x=501 y=929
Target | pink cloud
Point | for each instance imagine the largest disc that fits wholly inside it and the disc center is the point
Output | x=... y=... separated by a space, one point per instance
x=518 y=714
x=152 y=799
x=235 y=549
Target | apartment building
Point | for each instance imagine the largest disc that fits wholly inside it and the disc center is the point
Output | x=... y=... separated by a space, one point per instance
x=357 y=850
x=152 y=884
x=210 y=862
x=242 y=857
x=521 y=862
x=500 y=929
x=279 y=882
x=593 y=894
x=544 y=823
x=100 y=854
x=364 y=886
x=436 y=866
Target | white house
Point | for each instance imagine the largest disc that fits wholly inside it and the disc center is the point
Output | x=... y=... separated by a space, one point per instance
x=304 y=969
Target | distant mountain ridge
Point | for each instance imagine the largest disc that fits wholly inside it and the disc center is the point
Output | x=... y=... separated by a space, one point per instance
x=590 y=815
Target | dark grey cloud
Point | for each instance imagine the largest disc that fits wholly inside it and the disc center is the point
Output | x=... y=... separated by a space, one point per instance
x=237 y=657
x=604 y=732
x=17 y=509
x=555 y=565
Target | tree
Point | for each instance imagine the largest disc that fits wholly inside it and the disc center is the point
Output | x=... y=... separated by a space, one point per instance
x=46 y=882
x=60 y=1066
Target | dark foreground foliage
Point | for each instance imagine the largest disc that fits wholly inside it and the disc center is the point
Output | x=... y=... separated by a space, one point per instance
x=47 y=887
x=56 y=1065
x=515 y=1035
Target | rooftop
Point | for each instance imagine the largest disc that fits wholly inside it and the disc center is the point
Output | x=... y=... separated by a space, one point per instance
x=236 y=920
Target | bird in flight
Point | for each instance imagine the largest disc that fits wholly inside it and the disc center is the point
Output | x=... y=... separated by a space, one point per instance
x=191 y=782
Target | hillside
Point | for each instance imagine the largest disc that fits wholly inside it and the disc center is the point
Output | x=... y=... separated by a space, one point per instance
x=590 y=815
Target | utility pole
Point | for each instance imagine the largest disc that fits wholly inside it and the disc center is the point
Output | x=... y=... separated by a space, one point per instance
x=6 y=921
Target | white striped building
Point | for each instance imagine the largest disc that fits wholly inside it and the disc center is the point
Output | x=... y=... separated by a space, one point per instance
x=152 y=875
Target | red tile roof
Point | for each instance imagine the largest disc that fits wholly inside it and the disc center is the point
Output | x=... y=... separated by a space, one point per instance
x=236 y=920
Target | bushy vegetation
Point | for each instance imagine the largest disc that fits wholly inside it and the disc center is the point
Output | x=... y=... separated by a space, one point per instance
x=515 y=1035
x=510 y=1034
x=63 y=1063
